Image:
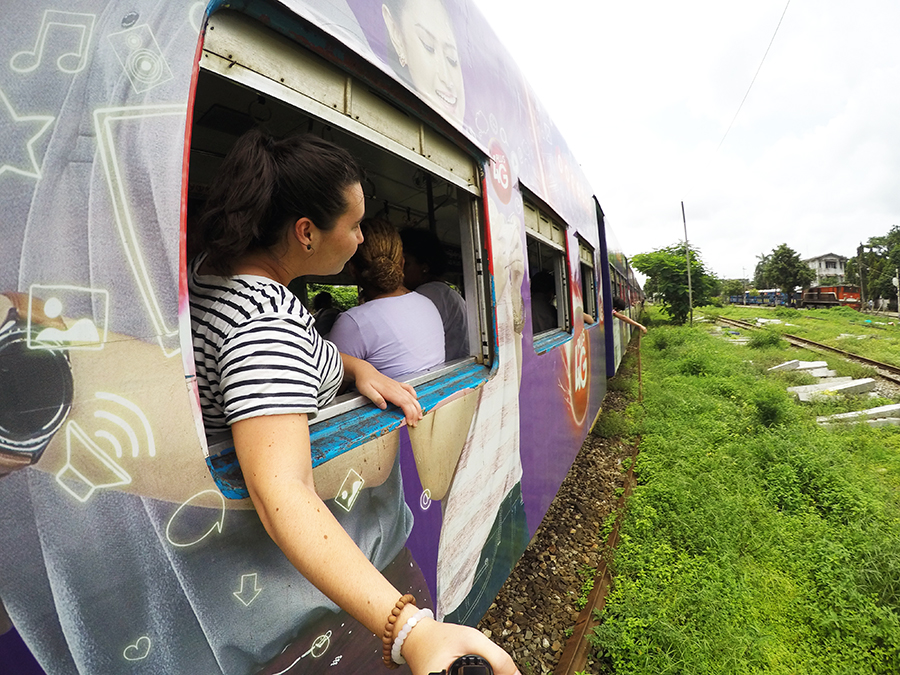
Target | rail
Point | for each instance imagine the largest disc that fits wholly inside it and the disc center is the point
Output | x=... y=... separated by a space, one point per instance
x=884 y=370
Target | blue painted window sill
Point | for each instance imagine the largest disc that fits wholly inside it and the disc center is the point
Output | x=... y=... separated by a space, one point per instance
x=547 y=341
x=353 y=420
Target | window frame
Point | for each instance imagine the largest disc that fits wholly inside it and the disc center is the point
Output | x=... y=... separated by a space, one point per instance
x=586 y=261
x=551 y=232
x=242 y=50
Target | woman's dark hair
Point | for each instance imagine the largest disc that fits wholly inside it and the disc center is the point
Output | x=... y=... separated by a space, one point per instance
x=378 y=261
x=323 y=300
x=426 y=248
x=542 y=282
x=264 y=185
x=619 y=304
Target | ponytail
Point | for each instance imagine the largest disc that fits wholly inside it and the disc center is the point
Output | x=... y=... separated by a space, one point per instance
x=378 y=261
x=264 y=185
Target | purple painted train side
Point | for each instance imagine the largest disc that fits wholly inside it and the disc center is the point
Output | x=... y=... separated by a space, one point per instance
x=123 y=545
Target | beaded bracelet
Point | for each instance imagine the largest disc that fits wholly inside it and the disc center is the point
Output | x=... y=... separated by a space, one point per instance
x=396 y=656
x=387 y=640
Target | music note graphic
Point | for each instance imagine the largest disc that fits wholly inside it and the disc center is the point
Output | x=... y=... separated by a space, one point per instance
x=58 y=22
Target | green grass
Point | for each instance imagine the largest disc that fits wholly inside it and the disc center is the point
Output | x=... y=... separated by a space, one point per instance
x=755 y=541
x=587 y=575
x=870 y=335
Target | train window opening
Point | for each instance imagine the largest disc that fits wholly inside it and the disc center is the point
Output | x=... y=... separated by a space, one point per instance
x=545 y=240
x=588 y=282
x=428 y=184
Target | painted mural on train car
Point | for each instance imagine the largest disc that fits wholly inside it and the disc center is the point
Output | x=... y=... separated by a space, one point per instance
x=119 y=552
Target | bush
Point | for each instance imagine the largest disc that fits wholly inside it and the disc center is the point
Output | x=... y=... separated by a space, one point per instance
x=773 y=407
x=786 y=313
x=711 y=314
x=626 y=385
x=666 y=337
x=765 y=338
x=610 y=424
x=755 y=541
x=697 y=364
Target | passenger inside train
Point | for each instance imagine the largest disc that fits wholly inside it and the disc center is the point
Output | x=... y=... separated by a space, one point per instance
x=619 y=306
x=324 y=312
x=397 y=331
x=543 y=311
x=425 y=263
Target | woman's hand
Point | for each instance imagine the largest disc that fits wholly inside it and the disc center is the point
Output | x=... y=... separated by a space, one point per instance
x=432 y=646
x=381 y=389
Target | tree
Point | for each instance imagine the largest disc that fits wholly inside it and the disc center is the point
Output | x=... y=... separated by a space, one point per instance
x=879 y=259
x=732 y=287
x=666 y=270
x=786 y=271
x=760 y=272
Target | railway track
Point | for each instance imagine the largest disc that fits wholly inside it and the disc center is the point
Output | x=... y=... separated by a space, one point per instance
x=573 y=658
x=884 y=370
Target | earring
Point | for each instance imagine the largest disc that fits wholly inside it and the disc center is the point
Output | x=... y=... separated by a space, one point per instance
x=309 y=247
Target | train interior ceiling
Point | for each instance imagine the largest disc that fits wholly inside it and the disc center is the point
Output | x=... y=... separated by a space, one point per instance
x=395 y=188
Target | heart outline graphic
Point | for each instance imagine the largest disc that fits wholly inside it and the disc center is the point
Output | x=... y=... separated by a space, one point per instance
x=135 y=652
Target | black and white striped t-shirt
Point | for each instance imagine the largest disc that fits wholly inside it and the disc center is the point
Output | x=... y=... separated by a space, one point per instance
x=256 y=351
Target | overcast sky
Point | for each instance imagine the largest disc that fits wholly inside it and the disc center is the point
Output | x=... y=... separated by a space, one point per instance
x=644 y=90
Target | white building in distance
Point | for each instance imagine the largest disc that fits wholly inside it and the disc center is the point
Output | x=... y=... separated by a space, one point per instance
x=828 y=265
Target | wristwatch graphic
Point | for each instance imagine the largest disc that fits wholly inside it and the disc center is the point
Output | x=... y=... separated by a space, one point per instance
x=36 y=392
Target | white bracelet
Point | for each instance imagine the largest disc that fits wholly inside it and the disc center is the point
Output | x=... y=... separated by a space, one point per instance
x=396 y=657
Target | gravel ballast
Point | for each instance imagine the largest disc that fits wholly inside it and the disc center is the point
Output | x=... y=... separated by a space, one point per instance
x=534 y=612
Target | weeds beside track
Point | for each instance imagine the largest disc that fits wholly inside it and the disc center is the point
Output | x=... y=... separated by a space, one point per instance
x=754 y=542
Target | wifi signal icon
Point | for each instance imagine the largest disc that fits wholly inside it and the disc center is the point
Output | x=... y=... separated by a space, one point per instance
x=91 y=464
x=123 y=405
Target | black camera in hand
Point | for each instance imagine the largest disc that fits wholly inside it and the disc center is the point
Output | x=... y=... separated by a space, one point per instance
x=468 y=665
x=36 y=393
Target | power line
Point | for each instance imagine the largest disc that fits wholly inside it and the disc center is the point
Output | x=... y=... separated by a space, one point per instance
x=743 y=100
x=754 y=75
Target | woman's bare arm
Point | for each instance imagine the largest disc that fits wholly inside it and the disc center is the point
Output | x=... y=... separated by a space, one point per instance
x=628 y=319
x=274 y=453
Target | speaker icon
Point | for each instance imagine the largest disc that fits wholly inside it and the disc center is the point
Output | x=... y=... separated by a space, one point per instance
x=140 y=56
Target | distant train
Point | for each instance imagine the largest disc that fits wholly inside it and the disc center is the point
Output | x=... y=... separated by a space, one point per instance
x=769 y=297
x=818 y=297
x=831 y=296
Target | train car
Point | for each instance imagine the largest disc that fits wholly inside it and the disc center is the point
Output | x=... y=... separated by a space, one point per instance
x=125 y=545
x=768 y=297
x=618 y=282
x=823 y=297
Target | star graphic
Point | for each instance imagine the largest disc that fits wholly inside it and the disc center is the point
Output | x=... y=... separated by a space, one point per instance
x=18 y=134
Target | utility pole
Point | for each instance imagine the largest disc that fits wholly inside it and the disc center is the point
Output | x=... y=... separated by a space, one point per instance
x=897 y=284
x=687 y=248
x=862 y=286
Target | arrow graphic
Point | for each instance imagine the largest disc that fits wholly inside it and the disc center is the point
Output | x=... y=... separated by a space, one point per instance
x=249 y=590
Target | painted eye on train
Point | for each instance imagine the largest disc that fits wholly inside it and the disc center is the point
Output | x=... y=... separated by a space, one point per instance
x=427 y=40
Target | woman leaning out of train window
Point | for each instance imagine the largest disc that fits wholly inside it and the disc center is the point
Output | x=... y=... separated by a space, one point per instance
x=619 y=306
x=279 y=210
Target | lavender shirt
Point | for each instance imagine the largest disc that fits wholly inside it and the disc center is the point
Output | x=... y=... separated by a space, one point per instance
x=399 y=336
